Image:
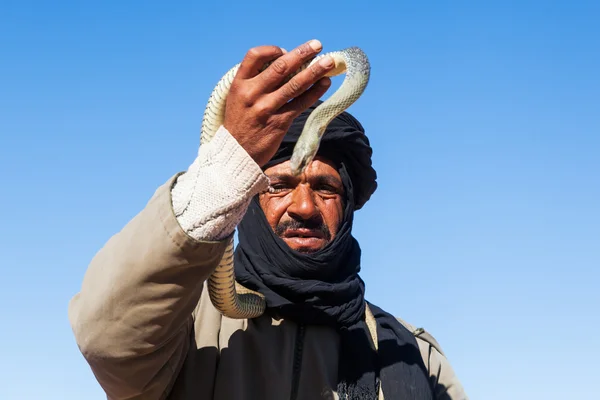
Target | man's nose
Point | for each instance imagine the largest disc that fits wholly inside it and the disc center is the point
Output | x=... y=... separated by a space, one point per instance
x=303 y=204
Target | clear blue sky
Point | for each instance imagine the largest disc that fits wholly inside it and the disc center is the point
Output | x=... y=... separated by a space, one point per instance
x=485 y=122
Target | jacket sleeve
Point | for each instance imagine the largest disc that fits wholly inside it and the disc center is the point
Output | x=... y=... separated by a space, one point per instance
x=132 y=317
x=445 y=382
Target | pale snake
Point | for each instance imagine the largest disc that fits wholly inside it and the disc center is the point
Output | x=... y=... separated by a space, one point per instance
x=228 y=296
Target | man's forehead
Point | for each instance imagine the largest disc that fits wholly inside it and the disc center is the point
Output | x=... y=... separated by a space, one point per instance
x=319 y=166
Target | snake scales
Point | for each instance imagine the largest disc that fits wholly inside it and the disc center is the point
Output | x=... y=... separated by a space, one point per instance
x=228 y=296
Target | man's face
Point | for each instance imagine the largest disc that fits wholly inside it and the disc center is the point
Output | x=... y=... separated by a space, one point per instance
x=305 y=211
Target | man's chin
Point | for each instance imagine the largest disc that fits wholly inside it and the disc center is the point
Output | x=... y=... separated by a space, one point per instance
x=305 y=245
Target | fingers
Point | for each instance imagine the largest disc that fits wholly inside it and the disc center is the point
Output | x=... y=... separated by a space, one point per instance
x=268 y=92
x=295 y=107
x=255 y=60
x=301 y=83
x=289 y=63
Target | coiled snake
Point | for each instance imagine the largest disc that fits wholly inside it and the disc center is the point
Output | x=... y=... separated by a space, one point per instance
x=229 y=297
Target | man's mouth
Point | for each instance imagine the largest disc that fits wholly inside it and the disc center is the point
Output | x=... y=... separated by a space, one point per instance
x=303 y=233
x=304 y=240
x=304 y=236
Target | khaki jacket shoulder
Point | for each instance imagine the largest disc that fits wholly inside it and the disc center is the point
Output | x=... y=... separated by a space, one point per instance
x=143 y=321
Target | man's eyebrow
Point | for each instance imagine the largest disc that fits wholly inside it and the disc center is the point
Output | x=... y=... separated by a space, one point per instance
x=319 y=179
x=328 y=179
x=281 y=177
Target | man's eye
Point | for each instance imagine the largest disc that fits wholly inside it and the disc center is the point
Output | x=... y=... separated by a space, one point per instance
x=279 y=187
x=327 y=189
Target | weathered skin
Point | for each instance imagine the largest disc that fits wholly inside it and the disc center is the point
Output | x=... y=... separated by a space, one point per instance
x=229 y=297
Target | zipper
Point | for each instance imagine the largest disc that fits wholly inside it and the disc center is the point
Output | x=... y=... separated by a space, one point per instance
x=298 y=347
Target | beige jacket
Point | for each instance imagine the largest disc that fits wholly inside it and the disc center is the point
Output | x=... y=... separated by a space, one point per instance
x=146 y=327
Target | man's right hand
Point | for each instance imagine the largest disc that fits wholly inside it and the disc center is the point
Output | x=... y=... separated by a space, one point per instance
x=260 y=108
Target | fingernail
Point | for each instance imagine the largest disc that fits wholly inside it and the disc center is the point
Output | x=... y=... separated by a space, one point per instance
x=326 y=62
x=315 y=45
x=284 y=51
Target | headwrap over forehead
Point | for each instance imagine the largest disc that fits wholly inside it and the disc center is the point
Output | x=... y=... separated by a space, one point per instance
x=344 y=142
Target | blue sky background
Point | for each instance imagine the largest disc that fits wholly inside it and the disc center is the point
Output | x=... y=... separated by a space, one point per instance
x=485 y=124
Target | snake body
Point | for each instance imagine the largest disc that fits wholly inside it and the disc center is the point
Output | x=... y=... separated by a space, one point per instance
x=228 y=296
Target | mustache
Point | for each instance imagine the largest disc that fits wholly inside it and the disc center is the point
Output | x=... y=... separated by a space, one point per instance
x=312 y=224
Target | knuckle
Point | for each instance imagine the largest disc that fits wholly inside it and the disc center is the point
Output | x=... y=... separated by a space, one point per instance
x=262 y=109
x=254 y=52
x=262 y=53
x=304 y=50
x=279 y=66
x=316 y=70
x=247 y=101
x=275 y=50
x=294 y=87
x=243 y=93
x=250 y=96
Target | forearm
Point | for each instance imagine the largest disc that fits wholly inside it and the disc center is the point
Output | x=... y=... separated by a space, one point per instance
x=132 y=315
x=210 y=199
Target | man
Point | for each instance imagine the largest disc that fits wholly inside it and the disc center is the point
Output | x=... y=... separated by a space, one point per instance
x=143 y=319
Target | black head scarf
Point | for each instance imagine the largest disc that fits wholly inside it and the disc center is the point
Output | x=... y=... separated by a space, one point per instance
x=344 y=142
x=324 y=287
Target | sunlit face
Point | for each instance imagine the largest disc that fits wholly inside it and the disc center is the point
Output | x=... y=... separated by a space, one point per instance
x=306 y=210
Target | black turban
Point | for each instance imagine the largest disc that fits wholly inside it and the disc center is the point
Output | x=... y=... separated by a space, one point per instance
x=344 y=142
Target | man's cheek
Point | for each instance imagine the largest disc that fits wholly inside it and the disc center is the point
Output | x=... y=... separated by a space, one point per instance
x=274 y=212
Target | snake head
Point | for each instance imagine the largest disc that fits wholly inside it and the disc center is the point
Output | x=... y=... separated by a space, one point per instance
x=307 y=146
x=300 y=161
x=304 y=152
